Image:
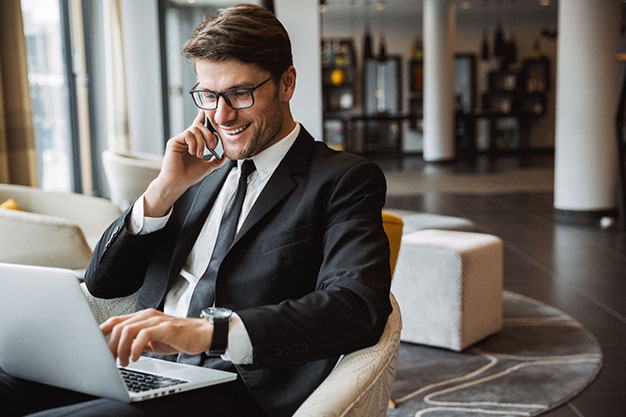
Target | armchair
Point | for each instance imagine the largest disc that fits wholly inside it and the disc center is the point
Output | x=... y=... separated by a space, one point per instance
x=360 y=383
x=129 y=174
x=52 y=228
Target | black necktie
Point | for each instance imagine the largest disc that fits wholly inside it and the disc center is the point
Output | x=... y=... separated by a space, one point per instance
x=204 y=293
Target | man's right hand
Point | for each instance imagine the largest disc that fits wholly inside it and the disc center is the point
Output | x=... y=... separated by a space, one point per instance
x=182 y=167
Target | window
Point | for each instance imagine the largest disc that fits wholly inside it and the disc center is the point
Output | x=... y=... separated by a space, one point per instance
x=49 y=94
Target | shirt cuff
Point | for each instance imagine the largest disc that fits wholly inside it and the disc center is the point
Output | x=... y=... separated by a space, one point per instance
x=138 y=224
x=239 y=350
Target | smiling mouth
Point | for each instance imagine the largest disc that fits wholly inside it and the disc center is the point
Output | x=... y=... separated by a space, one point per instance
x=236 y=131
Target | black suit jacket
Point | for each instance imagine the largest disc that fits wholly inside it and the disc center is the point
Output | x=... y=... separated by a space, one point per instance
x=308 y=273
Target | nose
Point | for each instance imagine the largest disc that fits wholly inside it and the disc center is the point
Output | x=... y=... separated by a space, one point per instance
x=223 y=114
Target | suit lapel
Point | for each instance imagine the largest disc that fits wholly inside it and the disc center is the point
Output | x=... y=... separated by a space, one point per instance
x=281 y=184
x=196 y=217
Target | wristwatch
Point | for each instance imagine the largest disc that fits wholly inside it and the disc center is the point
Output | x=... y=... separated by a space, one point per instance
x=219 y=317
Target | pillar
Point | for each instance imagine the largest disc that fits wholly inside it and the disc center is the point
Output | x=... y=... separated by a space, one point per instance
x=439 y=33
x=586 y=102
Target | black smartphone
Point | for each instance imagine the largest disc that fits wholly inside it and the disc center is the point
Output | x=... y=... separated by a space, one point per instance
x=215 y=152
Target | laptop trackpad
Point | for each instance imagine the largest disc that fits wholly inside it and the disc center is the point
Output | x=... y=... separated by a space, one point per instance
x=153 y=366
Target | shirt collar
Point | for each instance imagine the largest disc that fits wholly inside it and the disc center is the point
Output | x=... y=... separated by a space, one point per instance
x=268 y=159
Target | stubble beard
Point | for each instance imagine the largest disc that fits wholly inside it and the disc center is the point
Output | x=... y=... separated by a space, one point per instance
x=263 y=139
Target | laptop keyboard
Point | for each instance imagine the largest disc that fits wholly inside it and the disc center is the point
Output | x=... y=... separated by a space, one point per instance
x=141 y=381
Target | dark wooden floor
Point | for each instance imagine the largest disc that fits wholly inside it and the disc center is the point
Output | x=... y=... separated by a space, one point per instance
x=579 y=269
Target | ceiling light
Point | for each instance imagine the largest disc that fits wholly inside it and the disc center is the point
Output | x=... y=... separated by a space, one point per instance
x=466 y=4
x=544 y=2
x=380 y=6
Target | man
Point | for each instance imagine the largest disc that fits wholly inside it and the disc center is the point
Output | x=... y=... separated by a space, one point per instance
x=307 y=273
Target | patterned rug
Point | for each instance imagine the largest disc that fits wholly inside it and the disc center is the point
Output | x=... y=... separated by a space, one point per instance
x=539 y=360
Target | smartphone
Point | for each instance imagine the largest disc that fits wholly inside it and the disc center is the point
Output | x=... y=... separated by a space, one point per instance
x=218 y=151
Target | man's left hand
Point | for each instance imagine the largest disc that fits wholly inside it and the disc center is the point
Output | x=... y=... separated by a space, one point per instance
x=153 y=331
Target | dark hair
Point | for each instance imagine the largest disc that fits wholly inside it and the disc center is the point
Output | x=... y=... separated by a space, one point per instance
x=245 y=32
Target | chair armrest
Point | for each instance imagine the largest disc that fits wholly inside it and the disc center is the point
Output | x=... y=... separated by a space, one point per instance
x=104 y=308
x=39 y=239
x=360 y=384
x=92 y=214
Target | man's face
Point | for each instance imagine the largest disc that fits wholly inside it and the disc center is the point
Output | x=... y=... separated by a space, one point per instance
x=245 y=132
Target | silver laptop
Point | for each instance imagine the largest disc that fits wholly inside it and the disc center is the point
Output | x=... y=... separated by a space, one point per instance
x=48 y=334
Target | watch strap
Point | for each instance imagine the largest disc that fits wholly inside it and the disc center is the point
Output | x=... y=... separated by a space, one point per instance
x=220 y=336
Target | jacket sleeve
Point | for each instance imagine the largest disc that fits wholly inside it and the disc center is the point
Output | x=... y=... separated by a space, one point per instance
x=119 y=261
x=349 y=308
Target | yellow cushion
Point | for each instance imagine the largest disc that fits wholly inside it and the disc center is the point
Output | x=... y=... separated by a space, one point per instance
x=393 y=228
x=10 y=204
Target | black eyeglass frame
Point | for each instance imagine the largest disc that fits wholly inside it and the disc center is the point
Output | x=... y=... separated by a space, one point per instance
x=223 y=94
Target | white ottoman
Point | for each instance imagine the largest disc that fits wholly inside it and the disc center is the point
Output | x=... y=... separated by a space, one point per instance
x=449 y=287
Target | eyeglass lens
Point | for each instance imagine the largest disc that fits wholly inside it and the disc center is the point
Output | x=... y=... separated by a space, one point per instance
x=238 y=98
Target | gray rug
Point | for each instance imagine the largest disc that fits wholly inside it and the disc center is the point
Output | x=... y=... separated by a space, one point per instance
x=539 y=360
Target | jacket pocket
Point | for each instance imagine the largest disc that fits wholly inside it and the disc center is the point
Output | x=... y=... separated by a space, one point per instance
x=298 y=235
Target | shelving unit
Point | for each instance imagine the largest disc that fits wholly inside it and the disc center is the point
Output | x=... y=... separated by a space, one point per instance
x=363 y=110
x=416 y=91
x=382 y=99
x=339 y=78
x=515 y=98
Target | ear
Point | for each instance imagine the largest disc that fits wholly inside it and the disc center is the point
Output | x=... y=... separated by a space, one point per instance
x=287 y=84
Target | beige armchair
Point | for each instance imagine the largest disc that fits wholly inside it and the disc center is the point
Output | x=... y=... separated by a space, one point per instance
x=359 y=386
x=52 y=228
x=129 y=174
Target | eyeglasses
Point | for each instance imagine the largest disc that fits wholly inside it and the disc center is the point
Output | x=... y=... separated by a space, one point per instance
x=237 y=97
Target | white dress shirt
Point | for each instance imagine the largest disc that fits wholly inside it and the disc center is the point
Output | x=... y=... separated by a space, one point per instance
x=239 y=349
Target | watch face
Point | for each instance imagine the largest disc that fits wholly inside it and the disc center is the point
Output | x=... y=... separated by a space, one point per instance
x=217 y=312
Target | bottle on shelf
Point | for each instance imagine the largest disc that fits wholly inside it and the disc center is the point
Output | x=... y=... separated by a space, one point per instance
x=382 y=49
x=367 y=45
x=536 y=51
x=330 y=55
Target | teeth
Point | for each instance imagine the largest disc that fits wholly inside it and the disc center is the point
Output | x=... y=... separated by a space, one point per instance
x=234 y=132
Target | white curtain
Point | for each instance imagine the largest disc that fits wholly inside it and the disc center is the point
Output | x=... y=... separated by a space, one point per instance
x=117 y=103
